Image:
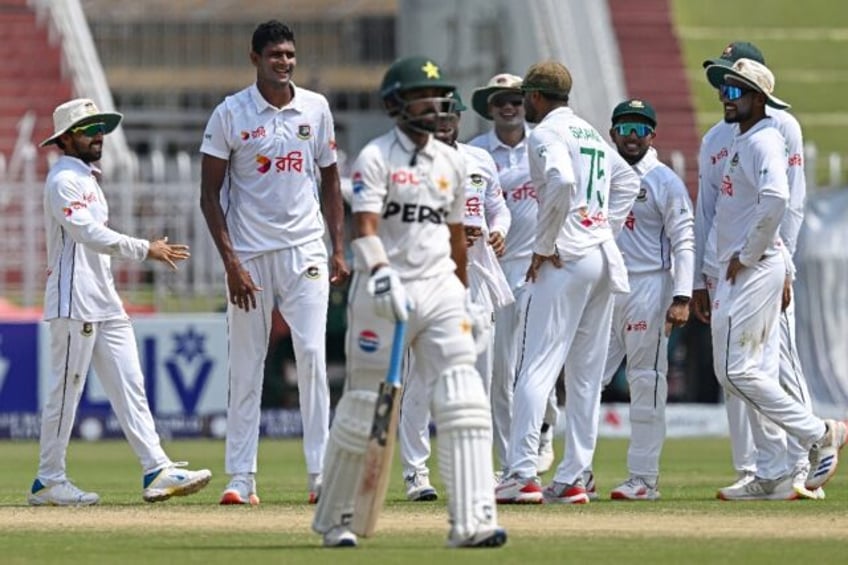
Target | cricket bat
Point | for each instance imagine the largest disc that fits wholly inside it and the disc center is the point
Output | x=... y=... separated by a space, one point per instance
x=376 y=469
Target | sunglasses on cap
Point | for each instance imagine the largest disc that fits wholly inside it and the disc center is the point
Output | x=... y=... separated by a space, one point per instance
x=511 y=100
x=626 y=128
x=731 y=92
x=90 y=130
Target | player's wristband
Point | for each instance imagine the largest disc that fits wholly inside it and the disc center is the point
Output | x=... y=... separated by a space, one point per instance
x=370 y=250
x=679 y=299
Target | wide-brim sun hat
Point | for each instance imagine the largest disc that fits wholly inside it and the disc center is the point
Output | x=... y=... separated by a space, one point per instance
x=503 y=82
x=77 y=111
x=751 y=73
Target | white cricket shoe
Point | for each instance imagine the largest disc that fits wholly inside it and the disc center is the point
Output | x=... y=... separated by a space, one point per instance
x=743 y=478
x=519 y=490
x=590 y=486
x=824 y=455
x=314 y=480
x=418 y=487
x=760 y=489
x=174 y=480
x=493 y=536
x=546 y=452
x=635 y=488
x=240 y=490
x=566 y=493
x=65 y=493
x=340 y=536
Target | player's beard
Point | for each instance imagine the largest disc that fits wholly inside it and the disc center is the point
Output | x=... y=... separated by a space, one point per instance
x=736 y=115
x=88 y=150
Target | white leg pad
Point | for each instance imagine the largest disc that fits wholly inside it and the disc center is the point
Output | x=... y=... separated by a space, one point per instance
x=464 y=424
x=343 y=459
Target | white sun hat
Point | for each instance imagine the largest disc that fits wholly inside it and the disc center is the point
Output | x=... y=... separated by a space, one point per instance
x=749 y=72
x=74 y=112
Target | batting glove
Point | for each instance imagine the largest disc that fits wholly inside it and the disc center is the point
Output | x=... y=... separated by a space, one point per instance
x=389 y=295
x=481 y=323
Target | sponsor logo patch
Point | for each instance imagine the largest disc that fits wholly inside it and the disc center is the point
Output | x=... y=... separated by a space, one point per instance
x=369 y=341
x=356 y=182
x=643 y=194
x=264 y=164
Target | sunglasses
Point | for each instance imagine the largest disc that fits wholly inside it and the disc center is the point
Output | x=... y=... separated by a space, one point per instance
x=730 y=92
x=513 y=101
x=90 y=130
x=626 y=128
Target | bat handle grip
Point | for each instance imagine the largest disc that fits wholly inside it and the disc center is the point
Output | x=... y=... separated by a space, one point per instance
x=397 y=352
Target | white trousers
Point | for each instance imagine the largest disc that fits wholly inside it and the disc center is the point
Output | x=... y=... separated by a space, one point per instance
x=295 y=281
x=108 y=347
x=568 y=319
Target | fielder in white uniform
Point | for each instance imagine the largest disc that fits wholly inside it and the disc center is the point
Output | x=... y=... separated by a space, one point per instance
x=487 y=220
x=768 y=450
x=658 y=234
x=88 y=324
x=263 y=151
x=410 y=264
x=752 y=271
x=585 y=191
x=502 y=102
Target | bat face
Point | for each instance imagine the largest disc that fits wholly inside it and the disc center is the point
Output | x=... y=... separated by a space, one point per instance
x=383 y=413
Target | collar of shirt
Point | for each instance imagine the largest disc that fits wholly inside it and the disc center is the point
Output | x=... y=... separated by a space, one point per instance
x=409 y=146
x=648 y=161
x=68 y=162
x=262 y=104
x=558 y=111
x=494 y=141
x=767 y=122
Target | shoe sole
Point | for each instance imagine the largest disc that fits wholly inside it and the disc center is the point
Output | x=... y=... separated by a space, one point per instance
x=233 y=498
x=536 y=498
x=621 y=496
x=32 y=501
x=426 y=496
x=579 y=499
x=157 y=495
x=313 y=498
x=767 y=498
x=497 y=539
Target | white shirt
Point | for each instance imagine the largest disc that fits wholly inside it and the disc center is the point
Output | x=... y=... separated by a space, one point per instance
x=753 y=195
x=660 y=225
x=80 y=245
x=485 y=206
x=715 y=148
x=270 y=197
x=519 y=192
x=416 y=197
x=585 y=188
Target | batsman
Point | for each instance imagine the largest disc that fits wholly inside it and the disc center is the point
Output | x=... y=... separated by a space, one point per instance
x=409 y=265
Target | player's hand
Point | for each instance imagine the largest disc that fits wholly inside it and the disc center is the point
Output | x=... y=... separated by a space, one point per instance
x=472 y=234
x=168 y=253
x=496 y=240
x=786 y=299
x=389 y=295
x=733 y=269
x=241 y=287
x=481 y=323
x=339 y=271
x=701 y=305
x=677 y=315
x=537 y=262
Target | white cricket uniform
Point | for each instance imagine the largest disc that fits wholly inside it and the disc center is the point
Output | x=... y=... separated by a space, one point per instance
x=88 y=324
x=484 y=208
x=520 y=197
x=658 y=233
x=751 y=203
x=271 y=202
x=713 y=155
x=585 y=191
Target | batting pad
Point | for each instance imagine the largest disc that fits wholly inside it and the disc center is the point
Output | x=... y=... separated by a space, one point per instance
x=343 y=460
x=464 y=424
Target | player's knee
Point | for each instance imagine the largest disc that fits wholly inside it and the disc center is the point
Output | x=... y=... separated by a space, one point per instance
x=352 y=421
x=459 y=400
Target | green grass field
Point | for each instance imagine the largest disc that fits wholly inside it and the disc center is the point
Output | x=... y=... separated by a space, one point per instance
x=688 y=526
x=804 y=43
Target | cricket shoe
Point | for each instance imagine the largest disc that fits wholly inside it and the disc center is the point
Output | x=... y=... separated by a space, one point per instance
x=743 y=478
x=418 y=487
x=314 y=481
x=489 y=537
x=565 y=493
x=635 y=488
x=824 y=455
x=799 y=484
x=589 y=485
x=65 y=493
x=340 y=536
x=518 y=490
x=761 y=489
x=545 y=460
x=240 y=490
x=174 y=480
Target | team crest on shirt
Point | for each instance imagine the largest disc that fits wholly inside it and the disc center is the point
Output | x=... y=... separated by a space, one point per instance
x=313 y=272
x=304 y=132
x=87 y=329
x=643 y=194
x=476 y=180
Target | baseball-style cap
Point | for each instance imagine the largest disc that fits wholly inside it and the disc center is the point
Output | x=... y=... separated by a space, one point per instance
x=734 y=51
x=749 y=72
x=548 y=76
x=635 y=107
x=74 y=112
x=503 y=82
x=458 y=105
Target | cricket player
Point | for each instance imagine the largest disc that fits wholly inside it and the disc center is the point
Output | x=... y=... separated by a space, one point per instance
x=502 y=102
x=658 y=234
x=487 y=221
x=410 y=264
x=264 y=150
x=585 y=190
x=88 y=324
x=746 y=306
x=771 y=442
